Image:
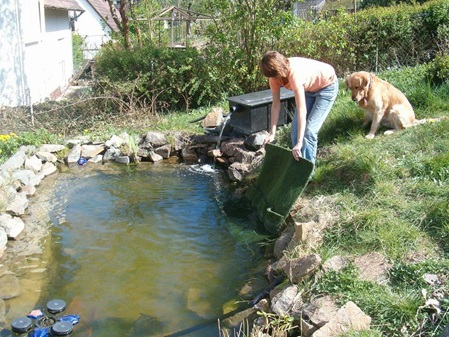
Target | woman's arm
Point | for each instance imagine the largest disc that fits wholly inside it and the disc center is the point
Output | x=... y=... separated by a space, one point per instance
x=300 y=100
x=275 y=111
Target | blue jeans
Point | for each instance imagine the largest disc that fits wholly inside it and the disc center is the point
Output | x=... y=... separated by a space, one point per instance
x=318 y=106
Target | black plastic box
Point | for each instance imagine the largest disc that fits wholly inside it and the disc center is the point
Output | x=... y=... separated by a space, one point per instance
x=251 y=112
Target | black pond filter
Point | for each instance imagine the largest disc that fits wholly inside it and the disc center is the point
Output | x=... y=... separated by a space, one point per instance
x=251 y=112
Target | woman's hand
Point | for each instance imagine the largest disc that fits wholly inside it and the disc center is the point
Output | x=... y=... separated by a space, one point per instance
x=269 y=139
x=297 y=152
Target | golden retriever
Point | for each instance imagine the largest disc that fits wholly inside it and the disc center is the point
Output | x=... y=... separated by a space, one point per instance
x=383 y=103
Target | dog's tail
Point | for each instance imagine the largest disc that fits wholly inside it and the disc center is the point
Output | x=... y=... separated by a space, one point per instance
x=429 y=120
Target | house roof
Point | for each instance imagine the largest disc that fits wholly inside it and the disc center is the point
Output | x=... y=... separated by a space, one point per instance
x=102 y=9
x=63 y=4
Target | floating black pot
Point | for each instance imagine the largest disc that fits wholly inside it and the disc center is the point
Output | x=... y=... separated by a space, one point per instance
x=21 y=324
x=62 y=328
x=56 y=306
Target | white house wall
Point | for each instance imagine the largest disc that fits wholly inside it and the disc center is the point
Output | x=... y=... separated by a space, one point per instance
x=58 y=55
x=36 y=60
x=12 y=81
x=92 y=29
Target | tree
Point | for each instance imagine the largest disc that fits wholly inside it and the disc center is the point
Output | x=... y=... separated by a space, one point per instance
x=243 y=31
x=122 y=23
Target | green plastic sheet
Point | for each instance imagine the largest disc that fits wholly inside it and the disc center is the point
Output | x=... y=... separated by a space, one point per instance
x=281 y=181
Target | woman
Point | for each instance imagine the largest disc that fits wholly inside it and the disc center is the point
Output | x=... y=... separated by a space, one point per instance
x=315 y=86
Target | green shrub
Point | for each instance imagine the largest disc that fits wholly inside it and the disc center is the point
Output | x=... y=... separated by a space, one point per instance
x=164 y=78
x=77 y=46
x=438 y=70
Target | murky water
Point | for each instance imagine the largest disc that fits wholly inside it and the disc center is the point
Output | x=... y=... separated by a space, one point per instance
x=149 y=250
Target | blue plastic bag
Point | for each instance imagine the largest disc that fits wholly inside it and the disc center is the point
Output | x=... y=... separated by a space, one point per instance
x=39 y=332
x=74 y=319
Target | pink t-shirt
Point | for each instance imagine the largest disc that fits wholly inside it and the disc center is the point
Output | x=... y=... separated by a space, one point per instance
x=312 y=74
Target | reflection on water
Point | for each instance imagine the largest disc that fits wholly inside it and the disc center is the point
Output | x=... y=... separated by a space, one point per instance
x=149 y=250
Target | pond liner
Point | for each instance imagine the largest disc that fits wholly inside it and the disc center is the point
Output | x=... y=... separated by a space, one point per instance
x=280 y=183
x=265 y=292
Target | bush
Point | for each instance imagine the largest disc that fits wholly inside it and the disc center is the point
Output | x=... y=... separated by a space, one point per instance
x=438 y=70
x=162 y=78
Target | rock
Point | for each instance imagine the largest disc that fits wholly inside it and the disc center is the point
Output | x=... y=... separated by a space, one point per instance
x=13 y=226
x=252 y=288
x=348 y=317
x=244 y=156
x=197 y=302
x=52 y=148
x=256 y=141
x=189 y=155
x=163 y=151
x=9 y=287
x=300 y=268
x=242 y=316
x=48 y=168
x=282 y=242
x=229 y=148
x=47 y=157
x=155 y=139
x=96 y=159
x=33 y=163
x=29 y=190
x=213 y=119
x=24 y=176
x=89 y=151
x=111 y=154
x=154 y=157
x=320 y=311
x=74 y=154
x=282 y=302
x=15 y=162
x=335 y=263
x=18 y=204
x=123 y=159
x=115 y=141
x=214 y=153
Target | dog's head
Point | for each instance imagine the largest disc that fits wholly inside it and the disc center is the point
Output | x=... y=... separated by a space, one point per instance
x=359 y=83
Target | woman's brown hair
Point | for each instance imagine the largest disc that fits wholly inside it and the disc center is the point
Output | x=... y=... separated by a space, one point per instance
x=274 y=64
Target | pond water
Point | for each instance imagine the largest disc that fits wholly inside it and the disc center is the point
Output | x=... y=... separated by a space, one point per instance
x=149 y=250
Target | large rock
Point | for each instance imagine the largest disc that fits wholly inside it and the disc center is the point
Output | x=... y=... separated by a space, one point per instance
x=9 y=287
x=349 y=317
x=155 y=139
x=320 y=311
x=15 y=162
x=282 y=302
x=13 y=226
x=213 y=119
x=33 y=163
x=90 y=151
x=52 y=148
x=74 y=154
x=18 y=205
x=300 y=268
x=46 y=156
